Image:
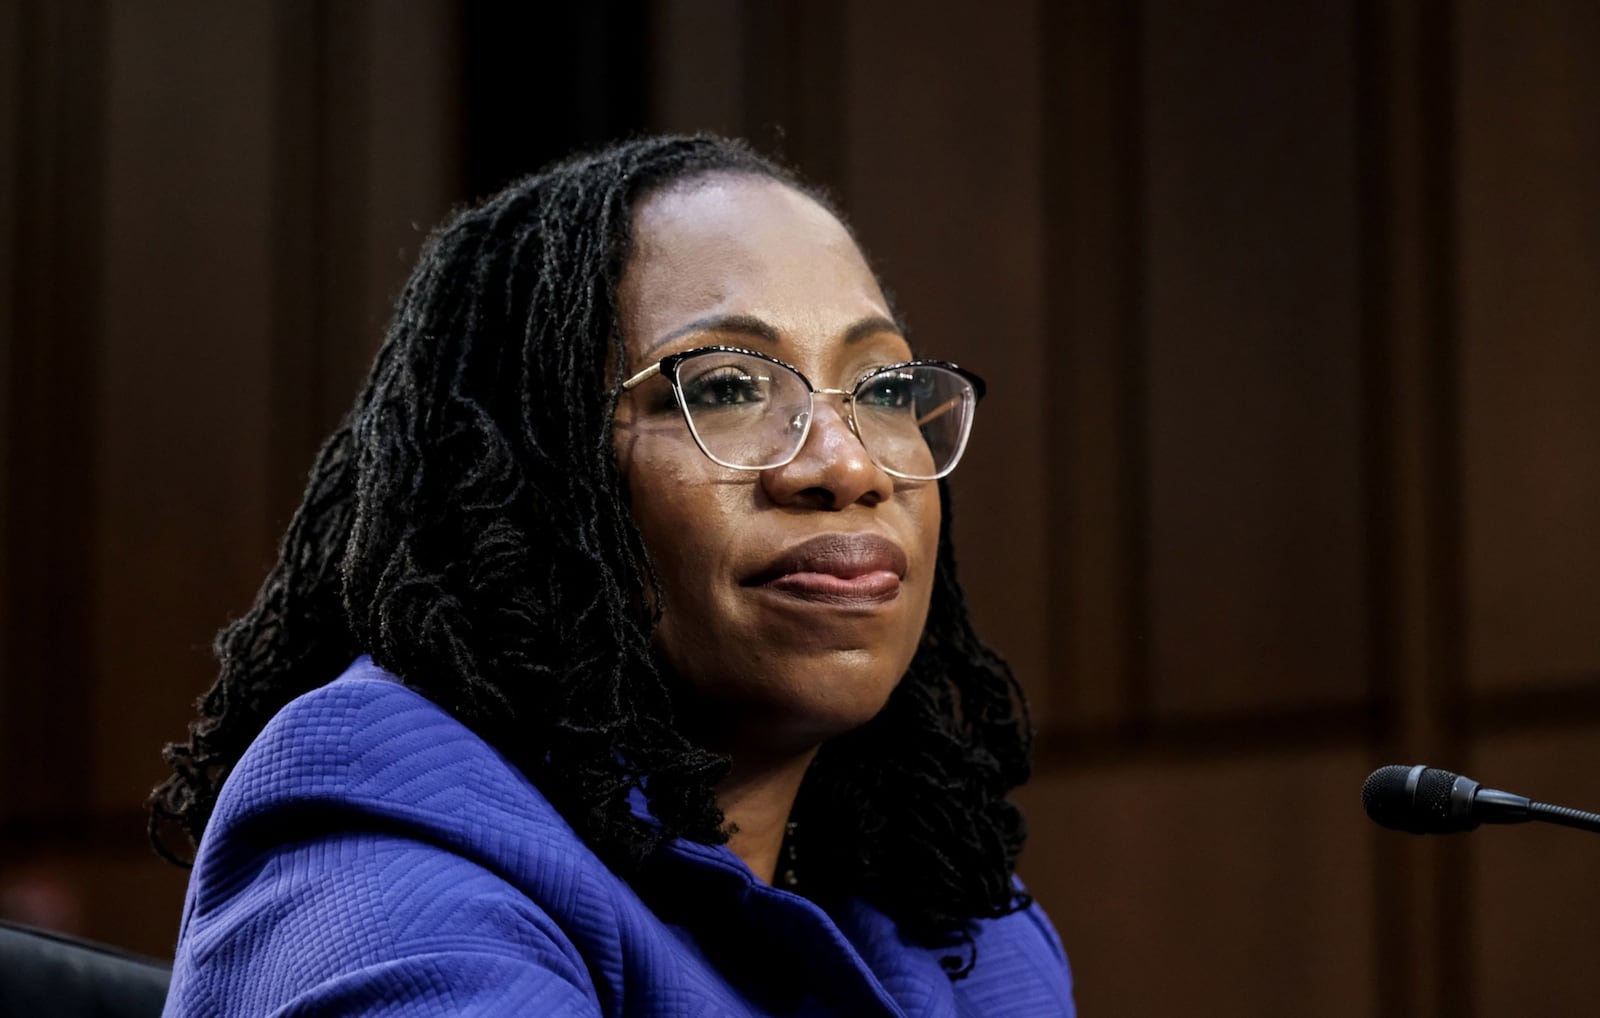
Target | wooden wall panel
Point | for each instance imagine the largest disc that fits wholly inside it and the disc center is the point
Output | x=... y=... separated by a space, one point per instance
x=181 y=495
x=1234 y=887
x=943 y=149
x=1530 y=320
x=699 y=62
x=107 y=887
x=245 y=301
x=1411 y=440
x=10 y=200
x=375 y=115
x=217 y=206
x=413 y=170
x=1094 y=314
x=322 y=142
x=51 y=330
x=410 y=103
x=1537 y=900
x=1253 y=360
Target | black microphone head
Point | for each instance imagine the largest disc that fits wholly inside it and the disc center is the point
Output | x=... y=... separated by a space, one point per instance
x=1415 y=799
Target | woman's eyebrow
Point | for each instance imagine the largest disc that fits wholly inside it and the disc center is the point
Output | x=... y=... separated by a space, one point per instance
x=750 y=325
x=871 y=326
x=746 y=325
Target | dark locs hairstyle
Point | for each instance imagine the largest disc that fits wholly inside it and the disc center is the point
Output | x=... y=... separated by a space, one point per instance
x=467 y=526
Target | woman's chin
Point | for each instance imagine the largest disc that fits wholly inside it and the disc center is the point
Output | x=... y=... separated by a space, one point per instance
x=786 y=718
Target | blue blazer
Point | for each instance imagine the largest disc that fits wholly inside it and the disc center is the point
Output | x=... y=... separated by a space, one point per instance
x=371 y=855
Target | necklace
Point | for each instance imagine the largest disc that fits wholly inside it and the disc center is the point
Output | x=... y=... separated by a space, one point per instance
x=787 y=877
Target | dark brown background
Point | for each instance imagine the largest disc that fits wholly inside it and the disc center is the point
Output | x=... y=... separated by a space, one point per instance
x=1291 y=312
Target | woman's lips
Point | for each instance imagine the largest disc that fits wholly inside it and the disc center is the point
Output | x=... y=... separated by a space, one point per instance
x=869 y=588
x=836 y=569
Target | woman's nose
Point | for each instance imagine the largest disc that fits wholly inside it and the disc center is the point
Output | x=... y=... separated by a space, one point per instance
x=832 y=470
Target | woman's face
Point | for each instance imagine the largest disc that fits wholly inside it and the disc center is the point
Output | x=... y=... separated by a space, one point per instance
x=793 y=597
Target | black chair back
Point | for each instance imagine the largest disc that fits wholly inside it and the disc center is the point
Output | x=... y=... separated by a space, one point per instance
x=51 y=974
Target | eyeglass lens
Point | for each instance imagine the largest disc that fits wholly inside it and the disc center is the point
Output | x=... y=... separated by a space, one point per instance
x=750 y=412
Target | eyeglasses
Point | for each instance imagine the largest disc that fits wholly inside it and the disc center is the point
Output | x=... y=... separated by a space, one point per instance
x=749 y=411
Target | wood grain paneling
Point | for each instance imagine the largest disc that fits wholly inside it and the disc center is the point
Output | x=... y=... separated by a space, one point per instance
x=182 y=531
x=799 y=81
x=216 y=207
x=1254 y=395
x=1094 y=315
x=10 y=160
x=11 y=43
x=413 y=170
x=1411 y=443
x=1537 y=900
x=1530 y=320
x=321 y=135
x=94 y=877
x=369 y=158
x=698 y=60
x=1233 y=888
x=53 y=375
x=271 y=170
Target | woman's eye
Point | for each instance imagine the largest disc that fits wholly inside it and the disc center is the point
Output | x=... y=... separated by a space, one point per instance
x=724 y=388
x=888 y=392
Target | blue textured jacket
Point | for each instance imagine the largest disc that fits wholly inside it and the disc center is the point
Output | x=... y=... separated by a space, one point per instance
x=371 y=855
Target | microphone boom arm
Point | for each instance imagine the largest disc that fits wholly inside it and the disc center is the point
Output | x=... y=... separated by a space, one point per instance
x=1566 y=816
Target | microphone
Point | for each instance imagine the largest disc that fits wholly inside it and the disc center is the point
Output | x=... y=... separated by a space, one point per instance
x=1425 y=800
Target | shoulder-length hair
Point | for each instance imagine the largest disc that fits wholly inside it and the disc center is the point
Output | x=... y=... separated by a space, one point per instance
x=466 y=526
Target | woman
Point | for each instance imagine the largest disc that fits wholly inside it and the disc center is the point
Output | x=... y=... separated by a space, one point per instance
x=664 y=698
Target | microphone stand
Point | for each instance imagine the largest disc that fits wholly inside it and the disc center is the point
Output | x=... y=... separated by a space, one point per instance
x=1566 y=816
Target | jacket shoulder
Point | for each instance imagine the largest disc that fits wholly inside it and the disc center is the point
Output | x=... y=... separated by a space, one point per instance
x=368 y=839
x=367 y=754
x=369 y=743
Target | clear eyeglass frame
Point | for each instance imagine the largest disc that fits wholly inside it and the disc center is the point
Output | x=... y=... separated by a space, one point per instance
x=972 y=392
